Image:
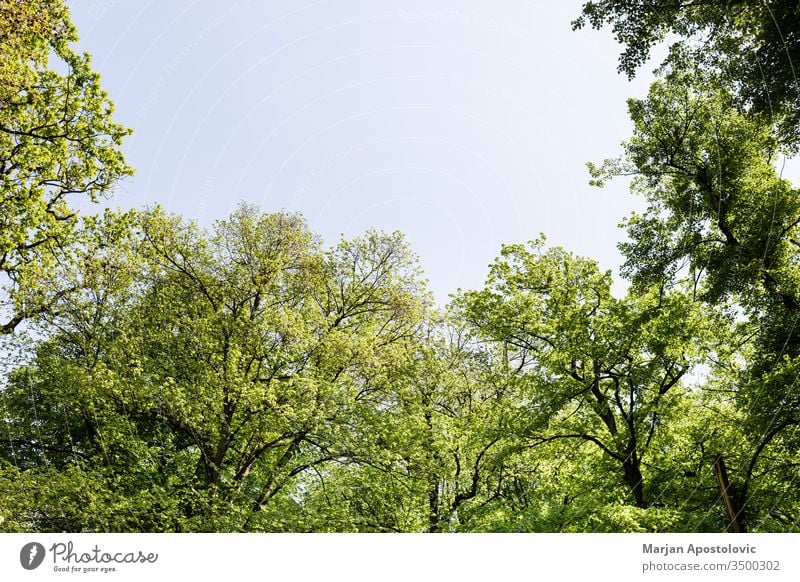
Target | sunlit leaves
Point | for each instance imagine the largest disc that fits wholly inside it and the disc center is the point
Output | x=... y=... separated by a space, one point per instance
x=58 y=149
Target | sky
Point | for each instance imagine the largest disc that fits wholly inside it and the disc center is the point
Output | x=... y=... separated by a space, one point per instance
x=464 y=124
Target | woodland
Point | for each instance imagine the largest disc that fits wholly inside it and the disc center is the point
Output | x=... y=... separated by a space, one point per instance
x=156 y=376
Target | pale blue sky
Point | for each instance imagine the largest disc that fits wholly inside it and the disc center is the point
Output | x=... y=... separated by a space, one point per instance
x=463 y=123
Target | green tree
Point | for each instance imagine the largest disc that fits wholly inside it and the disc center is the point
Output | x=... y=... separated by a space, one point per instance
x=205 y=373
x=752 y=45
x=429 y=445
x=57 y=141
x=603 y=371
x=720 y=216
x=717 y=206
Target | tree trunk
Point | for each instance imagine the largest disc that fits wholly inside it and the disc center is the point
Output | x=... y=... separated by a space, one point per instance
x=730 y=498
x=634 y=479
x=433 y=508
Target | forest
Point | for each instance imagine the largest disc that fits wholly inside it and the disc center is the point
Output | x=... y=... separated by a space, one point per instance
x=156 y=376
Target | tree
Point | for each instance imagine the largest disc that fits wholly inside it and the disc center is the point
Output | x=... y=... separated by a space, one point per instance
x=720 y=215
x=208 y=384
x=432 y=449
x=458 y=400
x=752 y=45
x=57 y=141
x=716 y=204
x=603 y=371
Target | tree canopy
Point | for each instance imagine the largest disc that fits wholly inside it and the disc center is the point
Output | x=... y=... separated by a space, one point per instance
x=754 y=46
x=252 y=377
x=57 y=142
x=704 y=154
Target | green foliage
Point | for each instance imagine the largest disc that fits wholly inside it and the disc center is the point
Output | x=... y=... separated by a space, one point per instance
x=704 y=152
x=248 y=378
x=601 y=370
x=214 y=367
x=752 y=46
x=718 y=210
x=57 y=141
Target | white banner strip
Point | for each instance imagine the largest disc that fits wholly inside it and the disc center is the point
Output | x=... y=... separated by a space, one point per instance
x=423 y=557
